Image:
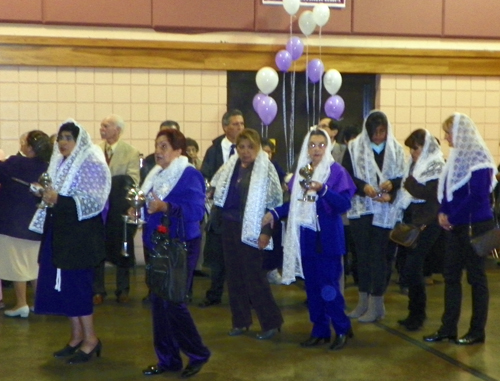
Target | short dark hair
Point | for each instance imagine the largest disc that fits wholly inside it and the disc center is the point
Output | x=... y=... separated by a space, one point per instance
x=375 y=119
x=319 y=132
x=349 y=133
x=71 y=128
x=176 y=139
x=266 y=142
x=192 y=143
x=170 y=124
x=416 y=139
x=333 y=125
x=227 y=115
x=39 y=141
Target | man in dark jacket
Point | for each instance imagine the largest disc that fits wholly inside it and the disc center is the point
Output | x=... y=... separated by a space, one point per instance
x=219 y=152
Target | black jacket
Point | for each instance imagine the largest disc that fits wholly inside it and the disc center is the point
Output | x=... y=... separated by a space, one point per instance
x=213 y=158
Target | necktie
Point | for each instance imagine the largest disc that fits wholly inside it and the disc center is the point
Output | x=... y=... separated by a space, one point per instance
x=231 y=152
x=109 y=153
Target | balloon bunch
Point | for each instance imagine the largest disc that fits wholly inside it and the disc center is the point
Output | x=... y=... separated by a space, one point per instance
x=264 y=105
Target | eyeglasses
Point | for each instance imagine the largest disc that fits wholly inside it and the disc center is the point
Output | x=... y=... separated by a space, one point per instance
x=319 y=145
x=68 y=138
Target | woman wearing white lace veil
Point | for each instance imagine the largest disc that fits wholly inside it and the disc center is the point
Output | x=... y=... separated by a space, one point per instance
x=73 y=237
x=246 y=186
x=314 y=240
x=376 y=164
x=464 y=190
x=417 y=199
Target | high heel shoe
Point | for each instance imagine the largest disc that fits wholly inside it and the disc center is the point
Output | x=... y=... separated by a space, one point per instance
x=266 y=335
x=237 y=331
x=341 y=340
x=313 y=341
x=80 y=356
x=23 y=312
x=68 y=350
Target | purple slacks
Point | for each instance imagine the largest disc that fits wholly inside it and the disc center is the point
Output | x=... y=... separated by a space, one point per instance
x=173 y=327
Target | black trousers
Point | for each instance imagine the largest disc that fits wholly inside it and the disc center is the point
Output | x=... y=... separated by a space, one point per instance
x=122 y=280
x=214 y=258
x=371 y=247
x=459 y=255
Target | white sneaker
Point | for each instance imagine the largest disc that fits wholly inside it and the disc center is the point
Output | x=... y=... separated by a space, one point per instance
x=23 y=312
x=274 y=277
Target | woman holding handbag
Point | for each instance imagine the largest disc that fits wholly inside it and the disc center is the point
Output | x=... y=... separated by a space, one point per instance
x=464 y=190
x=417 y=200
x=174 y=187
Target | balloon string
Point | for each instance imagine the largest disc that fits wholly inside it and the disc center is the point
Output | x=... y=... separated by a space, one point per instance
x=314 y=105
x=291 y=21
x=291 y=151
x=307 y=79
x=262 y=129
x=284 y=112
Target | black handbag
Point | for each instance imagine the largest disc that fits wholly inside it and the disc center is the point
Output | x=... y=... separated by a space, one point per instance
x=167 y=269
x=406 y=234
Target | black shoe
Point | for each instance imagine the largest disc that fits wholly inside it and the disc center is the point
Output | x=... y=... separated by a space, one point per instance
x=237 y=331
x=412 y=323
x=313 y=341
x=152 y=370
x=207 y=303
x=80 y=356
x=200 y=273
x=470 y=339
x=191 y=370
x=341 y=340
x=266 y=335
x=68 y=350
x=438 y=336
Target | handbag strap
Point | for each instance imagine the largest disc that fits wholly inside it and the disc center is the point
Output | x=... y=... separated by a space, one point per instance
x=181 y=233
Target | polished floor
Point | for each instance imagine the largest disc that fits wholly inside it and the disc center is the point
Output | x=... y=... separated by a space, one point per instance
x=381 y=351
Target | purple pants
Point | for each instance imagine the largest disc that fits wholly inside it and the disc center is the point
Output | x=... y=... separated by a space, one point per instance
x=173 y=327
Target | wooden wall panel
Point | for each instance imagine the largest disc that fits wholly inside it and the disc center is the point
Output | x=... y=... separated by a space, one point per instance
x=401 y=17
x=133 y=13
x=273 y=18
x=203 y=15
x=464 y=18
x=21 y=11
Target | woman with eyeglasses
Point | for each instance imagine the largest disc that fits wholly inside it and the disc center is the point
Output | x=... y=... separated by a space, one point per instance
x=376 y=164
x=73 y=237
x=314 y=240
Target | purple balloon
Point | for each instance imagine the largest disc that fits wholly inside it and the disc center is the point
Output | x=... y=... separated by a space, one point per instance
x=295 y=47
x=267 y=109
x=334 y=107
x=256 y=100
x=283 y=60
x=315 y=70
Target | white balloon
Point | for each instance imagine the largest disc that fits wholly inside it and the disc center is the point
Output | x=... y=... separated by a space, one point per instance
x=307 y=23
x=267 y=80
x=332 y=81
x=291 y=6
x=321 y=14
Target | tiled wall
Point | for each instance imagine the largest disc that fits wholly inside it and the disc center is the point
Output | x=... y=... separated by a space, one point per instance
x=413 y=102
x=43 y=97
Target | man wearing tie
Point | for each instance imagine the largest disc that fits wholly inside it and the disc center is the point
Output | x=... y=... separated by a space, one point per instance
x=123 y=162
x=217 y=154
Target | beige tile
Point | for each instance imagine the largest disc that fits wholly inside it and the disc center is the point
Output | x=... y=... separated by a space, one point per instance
x=47 y=93
x=403 y=98
x=388 y=82
x=103 y=93
x=139 y=94
x=175 y=94
x=192 y=95
x=138 y=131
x=402 y=131
x=157 y=77
x=210 y=113
x=175 y=112
x=47 y=74
x=387 y=98
x=49 y=127
x=210 y=78
x=402 y=115
x=175 y=77
x=222 y=95
x=9 y=111
x=157 y=112
x=124 y=110
x=10 y=130
x=121 y=76
x=10 y=146
x=433 y=82
x=139 y=77
x=28 y=74
x=390 y=112
x=418 y=98
x=492 y=115
x=121 y=93
x=463 y=83
x=85 y=93
x=478 y=83
x=417 y=115
x=47 y=111
x=157 y=94
x=209 y=95
x=210 y=131
x=28 y=110
x=9 y=92
x=492 y=99
x=125 y=136
x=28 y=92
x=448 y=83
x=448 y=98
x=84 y=111
x=66 y=110
x=478 y=115
x=103 y=76
x=102 y=110
x=403 y=82
x=84 y=75
x=493 y=84
x=66 y=75
x=192 y=113
x=433 y=116
x=140 y=112
x=222 y=78
x=418 y=82
x=9 y=74
x=491 y=132
x=478 y=99
x=192 y=78
x=493 y=147
x=66 y=93
x=143 y=146
x=463 y=99
x=192 y=130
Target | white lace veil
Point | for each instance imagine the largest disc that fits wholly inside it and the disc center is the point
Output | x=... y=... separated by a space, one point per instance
x=162 y=181
x=302 y=213
x=83 y=175
x=366 y=169
x=468 y=154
